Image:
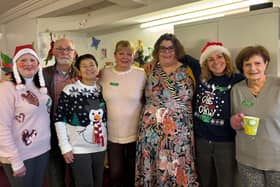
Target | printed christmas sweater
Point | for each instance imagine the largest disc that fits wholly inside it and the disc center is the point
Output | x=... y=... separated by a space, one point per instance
x=80 y=119
x=24 y=123
x=212 y=108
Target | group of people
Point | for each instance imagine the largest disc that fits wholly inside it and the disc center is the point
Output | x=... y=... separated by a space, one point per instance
x=178 y=123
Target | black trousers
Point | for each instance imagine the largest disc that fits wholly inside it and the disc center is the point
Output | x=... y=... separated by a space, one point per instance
x=122 y=164
x=216 y=163
x=57 y=170
x=88 y=169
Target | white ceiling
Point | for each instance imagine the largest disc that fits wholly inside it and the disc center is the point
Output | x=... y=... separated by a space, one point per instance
x=108 y=14
x=6 y=5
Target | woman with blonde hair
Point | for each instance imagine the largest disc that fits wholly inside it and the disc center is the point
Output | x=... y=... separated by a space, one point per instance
x=123 y=86
x=215 y=146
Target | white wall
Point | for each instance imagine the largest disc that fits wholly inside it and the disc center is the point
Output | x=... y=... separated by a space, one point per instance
x=2 y=38
x=83 y=41
x=108 y=41
x=19 y=32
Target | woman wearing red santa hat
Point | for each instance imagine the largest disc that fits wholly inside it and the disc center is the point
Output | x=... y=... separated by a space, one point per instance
x=24 y=121
x=214 y=136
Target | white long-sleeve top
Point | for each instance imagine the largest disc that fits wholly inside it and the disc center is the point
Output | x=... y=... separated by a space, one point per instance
x=79 y=108
x=123 y=92
x=24 y=123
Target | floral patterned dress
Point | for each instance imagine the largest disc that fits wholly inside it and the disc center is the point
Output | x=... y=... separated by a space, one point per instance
x=165 y=145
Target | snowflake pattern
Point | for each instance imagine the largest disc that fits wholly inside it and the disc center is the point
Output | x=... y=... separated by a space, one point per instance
x=210 y=103
x=74 y=92
x=76 y=102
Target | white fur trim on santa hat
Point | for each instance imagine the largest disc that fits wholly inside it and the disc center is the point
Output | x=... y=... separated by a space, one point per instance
x=19 y=85
x=25 y=51
x=212 y=48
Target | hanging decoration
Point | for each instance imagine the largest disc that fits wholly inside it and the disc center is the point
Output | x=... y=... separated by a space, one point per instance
x=7 y=63
x=95 y=42
x=50 y=52
x=103 y=53
x=139 y=57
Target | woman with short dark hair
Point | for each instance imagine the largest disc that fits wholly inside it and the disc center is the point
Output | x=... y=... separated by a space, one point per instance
x=80 y=122
x=258 y=155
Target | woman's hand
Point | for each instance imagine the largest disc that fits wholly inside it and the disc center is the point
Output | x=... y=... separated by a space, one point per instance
x=20 y=172
x=236 y=121
x=68 y=157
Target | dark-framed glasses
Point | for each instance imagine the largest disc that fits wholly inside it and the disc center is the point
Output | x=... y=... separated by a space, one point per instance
x=61 y=49
x=166 y=49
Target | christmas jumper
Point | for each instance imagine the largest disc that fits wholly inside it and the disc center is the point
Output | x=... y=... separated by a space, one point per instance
x=263 y=150
x=212 y=108
x=80 y=119
x=24 y=123
x=123 y=92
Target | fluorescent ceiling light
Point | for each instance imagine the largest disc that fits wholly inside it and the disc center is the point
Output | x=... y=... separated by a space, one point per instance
x=162 y=27
x=169 y=25
x=193 y=7
x=204 y=10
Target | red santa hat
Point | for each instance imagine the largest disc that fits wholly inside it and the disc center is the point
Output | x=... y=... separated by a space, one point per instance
x=211 y=47
x=27 y=49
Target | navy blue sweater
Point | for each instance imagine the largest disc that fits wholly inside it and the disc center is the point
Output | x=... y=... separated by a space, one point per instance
x=212 y=108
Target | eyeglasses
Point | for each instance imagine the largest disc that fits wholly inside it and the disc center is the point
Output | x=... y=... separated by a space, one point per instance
x=166 y=49
x=60 y=49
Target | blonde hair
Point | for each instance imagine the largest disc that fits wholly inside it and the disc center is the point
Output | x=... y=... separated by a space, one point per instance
x=206 y=74
x=123 y=44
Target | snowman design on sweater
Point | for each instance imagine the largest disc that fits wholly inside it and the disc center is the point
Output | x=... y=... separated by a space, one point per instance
x=93 y=132
x=83 y=108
